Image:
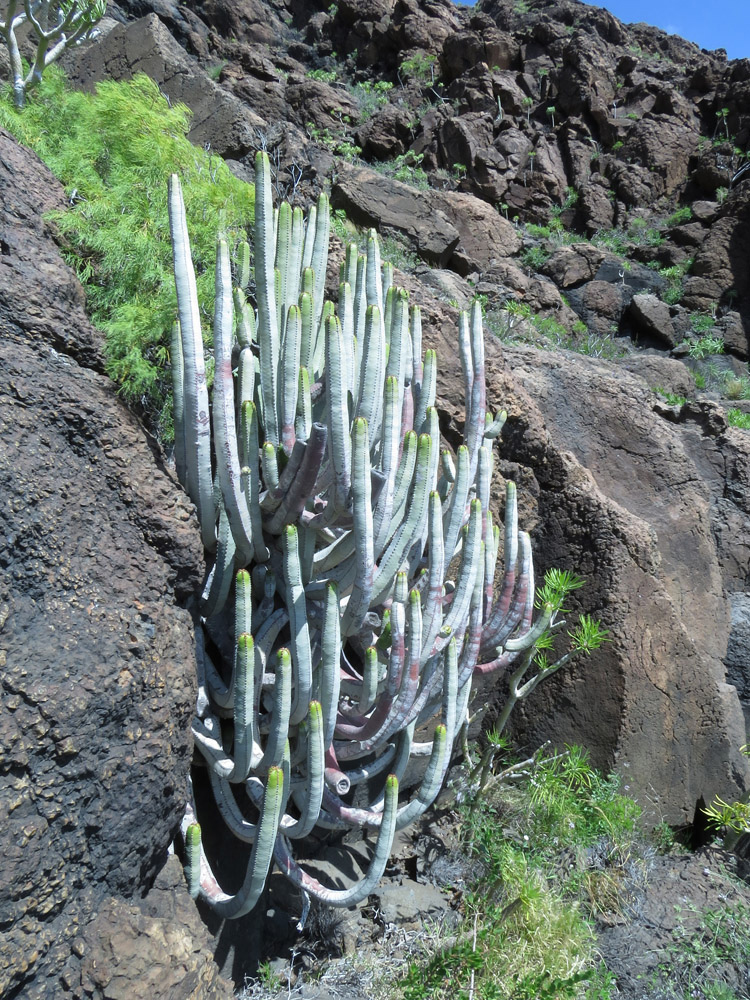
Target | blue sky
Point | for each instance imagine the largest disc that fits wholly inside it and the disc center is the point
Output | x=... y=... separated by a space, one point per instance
x=719 y=24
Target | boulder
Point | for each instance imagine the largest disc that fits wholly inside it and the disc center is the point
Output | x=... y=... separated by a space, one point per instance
x=642 y=507
x=371 y=199
x=600 y=304
x=650 y=317
x=663 y=145
x=101 y=556
x=484 y=235
x=387 y=134
x=319 y=103
x=620 y=495
x=574 y=265
x=719 y=273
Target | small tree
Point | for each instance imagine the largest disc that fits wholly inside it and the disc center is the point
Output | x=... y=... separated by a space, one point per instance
x=56 y=27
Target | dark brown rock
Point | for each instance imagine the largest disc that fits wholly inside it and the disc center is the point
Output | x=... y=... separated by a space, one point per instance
x=485 y=236
x=719 y=273
x=374 y=200
x=148 y=948
x=325 y=106
x=574 y=265
x=621 y=498
x=610 y=488
x=387 y=134
x=101 y=548
x=691 y=235
x=665 y=144
x=600 y=304
x=650 y=316
x=596 y=205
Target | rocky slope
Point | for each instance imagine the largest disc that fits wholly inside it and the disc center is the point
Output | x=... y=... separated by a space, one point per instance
x=550 y=114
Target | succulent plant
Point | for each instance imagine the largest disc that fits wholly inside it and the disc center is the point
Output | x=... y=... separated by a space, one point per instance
x=352 y=584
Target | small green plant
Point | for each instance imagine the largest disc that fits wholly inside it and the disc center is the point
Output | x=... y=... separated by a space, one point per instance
x=551 y=112
x=397 y=250
x=736 y=386
x=738 y=418
x=323 y=75
x=340 y=146
x=371 y=96
x=674 y=276
x=705 y=346
x=611 y=239
x=405 y=168
x=710 y=960
x=527 y=104
x=722 y=118
x=701 y=323
x=215 y=71
x=347 y=150
x=680 y=217
x=700 y=380
x=663 y=838
x=524 y=935
x=540 y=232
x=617 y=145
x=670 y=398
x=419 y=67
x=459 y=171
x=535 y=258
x=633 y=116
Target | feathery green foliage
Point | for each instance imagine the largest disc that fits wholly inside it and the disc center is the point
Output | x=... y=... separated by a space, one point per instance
x=113 y=151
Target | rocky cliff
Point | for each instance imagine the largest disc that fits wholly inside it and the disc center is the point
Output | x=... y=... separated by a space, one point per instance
x=498 y=119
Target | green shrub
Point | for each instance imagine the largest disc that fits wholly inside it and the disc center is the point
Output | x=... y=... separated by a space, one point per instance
x=706 y=346
x=114 y=151
x=674 y=276
x=738 y=418
x=405 y=168
x=701 y=322
x=419 y=67
x=525 y=933
x=371 y=96
x=535 y=257
x=670 y=398
x=681 y=216
x=541 y=232
x=398 y=251
x=323 y=75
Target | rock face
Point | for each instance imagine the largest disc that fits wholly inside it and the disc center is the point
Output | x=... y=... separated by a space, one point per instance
x=97 y=683
x=631 y=500
x=622 y=497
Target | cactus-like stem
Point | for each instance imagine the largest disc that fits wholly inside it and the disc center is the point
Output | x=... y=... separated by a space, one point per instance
x=232 y=907
x=338 y=518
x=196 y=424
